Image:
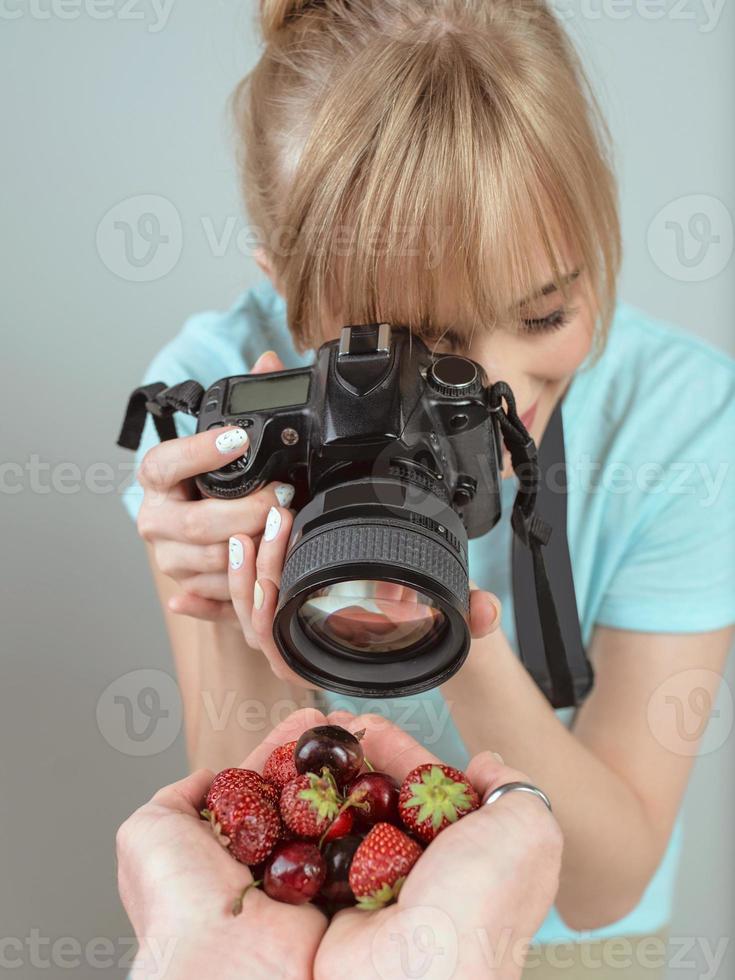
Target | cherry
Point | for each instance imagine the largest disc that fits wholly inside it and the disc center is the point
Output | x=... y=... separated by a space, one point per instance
x=378 y=793
x=295 y=872
x=331 y=746
x=338 y=856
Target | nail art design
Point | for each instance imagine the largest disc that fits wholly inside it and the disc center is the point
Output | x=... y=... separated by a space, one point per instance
x=258 y=595
x=227 y=442
x=272 y=524
x=236 y=553
x=284 y=494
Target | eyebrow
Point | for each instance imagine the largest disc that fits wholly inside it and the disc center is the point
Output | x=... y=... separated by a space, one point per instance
x=551 y=287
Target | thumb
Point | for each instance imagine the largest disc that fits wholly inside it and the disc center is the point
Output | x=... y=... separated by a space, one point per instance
x=268 y=361
x=187 y=795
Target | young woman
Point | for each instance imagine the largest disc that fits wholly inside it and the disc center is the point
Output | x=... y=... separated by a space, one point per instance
x=440 y=164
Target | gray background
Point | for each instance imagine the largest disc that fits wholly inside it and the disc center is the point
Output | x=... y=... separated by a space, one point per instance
x=99 y=111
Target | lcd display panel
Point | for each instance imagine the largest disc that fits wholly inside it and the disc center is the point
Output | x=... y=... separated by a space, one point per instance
x=258 y=395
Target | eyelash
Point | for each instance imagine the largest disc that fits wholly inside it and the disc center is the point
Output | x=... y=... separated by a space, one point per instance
x=554 y=321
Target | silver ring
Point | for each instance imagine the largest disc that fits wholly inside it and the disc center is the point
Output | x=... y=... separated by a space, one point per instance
x=522 y=787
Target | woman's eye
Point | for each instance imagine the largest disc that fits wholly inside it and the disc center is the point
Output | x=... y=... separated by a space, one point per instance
x=554 y=321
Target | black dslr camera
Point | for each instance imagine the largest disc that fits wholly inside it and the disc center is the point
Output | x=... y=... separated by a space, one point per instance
x=395 y=455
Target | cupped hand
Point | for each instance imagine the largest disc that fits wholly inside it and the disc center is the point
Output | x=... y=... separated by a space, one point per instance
x=188 y=536
x=178 y=885
x=475 y=897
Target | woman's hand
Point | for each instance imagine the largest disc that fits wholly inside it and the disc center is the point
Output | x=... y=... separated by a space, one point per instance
x=188 y=536
x=476 y=896
x=178 y=886
x=474 y=899
x=255 y=579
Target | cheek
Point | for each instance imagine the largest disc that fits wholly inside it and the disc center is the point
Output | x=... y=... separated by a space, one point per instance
x=558 y=356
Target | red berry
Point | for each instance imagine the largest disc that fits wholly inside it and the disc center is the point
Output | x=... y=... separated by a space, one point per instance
x=380 y=865
x=375 y=795
x=338 y=856
x=295 y=872
x=240 y=779
x=333 y=747
x=432 y=797
x=280 y=767
x=309 y=803
x=246 y=823
x=341 y=825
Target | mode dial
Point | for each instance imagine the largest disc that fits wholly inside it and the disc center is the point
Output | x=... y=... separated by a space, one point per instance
x=454 y=376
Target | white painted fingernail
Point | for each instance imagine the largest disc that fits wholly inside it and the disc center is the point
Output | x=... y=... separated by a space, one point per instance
x=272 y=524
x=228 y=442
x=284 y=494
x=258 y=595
x=236 y=553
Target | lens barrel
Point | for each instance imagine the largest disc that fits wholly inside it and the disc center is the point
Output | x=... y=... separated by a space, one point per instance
x=374 y=597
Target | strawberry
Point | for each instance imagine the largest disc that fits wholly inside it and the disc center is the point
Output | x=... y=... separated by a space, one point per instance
x=309 y=804
x=433 y=796
x=280 y=766
x=240 y=779
x=380 y=865
x=340 y=826
x=246 y=823
x=257 y=833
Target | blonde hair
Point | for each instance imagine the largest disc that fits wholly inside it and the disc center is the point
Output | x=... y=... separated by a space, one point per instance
x=398 y=153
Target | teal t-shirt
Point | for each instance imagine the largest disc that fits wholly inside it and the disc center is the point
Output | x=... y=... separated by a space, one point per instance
x=651 y=504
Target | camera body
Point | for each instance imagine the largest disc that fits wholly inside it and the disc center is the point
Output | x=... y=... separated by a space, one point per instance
x=375 y=403
x=395 y=455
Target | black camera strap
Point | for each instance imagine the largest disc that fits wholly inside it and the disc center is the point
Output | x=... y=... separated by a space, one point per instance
x=161 y=403
x=545 y=605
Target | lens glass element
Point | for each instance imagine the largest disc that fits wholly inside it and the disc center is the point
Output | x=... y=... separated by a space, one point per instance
x=371 y=617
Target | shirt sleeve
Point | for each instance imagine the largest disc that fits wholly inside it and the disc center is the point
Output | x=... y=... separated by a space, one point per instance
x=677 y=574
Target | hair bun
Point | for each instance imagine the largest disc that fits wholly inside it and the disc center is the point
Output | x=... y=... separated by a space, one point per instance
x=276 y=14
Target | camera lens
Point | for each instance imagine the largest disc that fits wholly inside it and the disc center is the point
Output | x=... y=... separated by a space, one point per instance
x=374 y=597
x=371 y=617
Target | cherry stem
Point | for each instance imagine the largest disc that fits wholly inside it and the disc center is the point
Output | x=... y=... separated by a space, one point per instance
x=237 y=904
x=368 y=764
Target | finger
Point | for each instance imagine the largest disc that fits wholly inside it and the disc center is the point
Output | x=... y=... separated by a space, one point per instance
x=187 y=795
x=388 y=747
x=175 y=460
x=486 y=772
x=265 y=600
x=485 y=613
x=178 y=559
x=288 y=730
x=186 y=604
x=268 y=361
x=208 y=586
x=272 y=550
x=210 y=521
x=343 y=718
x=241 y=581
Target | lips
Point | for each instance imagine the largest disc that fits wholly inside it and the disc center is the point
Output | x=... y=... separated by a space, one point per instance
x=529 y=415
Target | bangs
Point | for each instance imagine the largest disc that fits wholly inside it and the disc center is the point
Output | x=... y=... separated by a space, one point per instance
x=456 y=182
